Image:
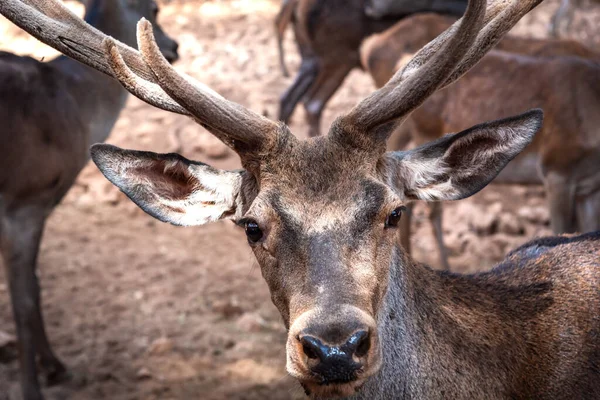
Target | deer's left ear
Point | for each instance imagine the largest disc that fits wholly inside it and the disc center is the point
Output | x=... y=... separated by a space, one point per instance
x=170 y=187
x=459 y=165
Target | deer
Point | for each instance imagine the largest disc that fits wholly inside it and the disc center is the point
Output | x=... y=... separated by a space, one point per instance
x=328 y=35
x=321 y=216
x=52 y=112
x=564 y=152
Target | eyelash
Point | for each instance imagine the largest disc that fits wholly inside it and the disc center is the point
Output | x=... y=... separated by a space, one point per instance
x=391 y=221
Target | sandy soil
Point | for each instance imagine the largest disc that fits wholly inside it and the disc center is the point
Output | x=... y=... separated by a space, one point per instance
x=143 y=310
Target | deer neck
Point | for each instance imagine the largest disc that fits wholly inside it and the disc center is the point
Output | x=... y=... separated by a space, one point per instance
x=100 y=97
x=401 y=317
x=430 y=336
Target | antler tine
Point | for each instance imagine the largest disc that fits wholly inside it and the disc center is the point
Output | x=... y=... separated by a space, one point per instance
x=147 y=91
x=235 y=125
x=499 y=19
x=439 y=63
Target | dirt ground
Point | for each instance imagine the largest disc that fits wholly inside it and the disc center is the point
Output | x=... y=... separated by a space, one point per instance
x=139 y=309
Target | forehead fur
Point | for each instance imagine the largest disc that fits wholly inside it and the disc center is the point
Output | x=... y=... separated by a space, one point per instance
x=318 y=183
x=317 y=165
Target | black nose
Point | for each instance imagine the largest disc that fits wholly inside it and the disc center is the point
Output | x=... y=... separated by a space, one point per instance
x=336 y=364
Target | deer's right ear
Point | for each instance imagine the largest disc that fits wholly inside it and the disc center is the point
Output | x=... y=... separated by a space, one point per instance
x=170 y=187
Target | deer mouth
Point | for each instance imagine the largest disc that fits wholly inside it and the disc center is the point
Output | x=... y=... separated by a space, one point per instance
x=328 y=386
x=171 y=56
x=331 y=389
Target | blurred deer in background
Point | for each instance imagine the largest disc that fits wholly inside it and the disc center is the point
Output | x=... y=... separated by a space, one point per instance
x=565 y=156
x=321 y=217
x=51 y=113
x=391 y=8
x=328 y=35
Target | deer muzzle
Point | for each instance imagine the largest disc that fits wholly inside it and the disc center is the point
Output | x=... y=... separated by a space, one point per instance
x=332 y=352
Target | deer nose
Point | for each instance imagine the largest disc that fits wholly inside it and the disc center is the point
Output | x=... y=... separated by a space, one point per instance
x=336 y=364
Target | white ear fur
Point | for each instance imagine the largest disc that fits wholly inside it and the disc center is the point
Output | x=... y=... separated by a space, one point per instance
x=423 y=178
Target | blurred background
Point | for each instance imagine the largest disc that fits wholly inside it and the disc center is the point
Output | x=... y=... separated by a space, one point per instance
x=144 y=310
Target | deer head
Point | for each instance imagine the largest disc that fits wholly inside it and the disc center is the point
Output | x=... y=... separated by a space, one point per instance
x=118 y=18
x=320 y=215
x=131 y=11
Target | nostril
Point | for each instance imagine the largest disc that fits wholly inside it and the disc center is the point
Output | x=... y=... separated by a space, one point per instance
x=309 y=351
x=312 y=347
x=359 y=344
x=363 y=346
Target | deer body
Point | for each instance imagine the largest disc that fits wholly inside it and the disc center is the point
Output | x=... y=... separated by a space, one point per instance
x=51 y=112
x=322 y=218
x=85 y=106
x=494 y=335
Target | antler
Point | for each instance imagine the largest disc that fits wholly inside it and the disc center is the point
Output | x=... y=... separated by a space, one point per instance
x=437 y=65
x=147 y=75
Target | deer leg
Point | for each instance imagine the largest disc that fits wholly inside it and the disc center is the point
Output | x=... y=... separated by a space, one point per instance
x=588 y=213
x=54 y=369
x=281 y=22
x=284 y=70
x=309 y=69
x=327 y=83
x=562 y=13
x=435 y=217
x=19 y=243
x=561 y=198
x=18 y=250
x=405 y=222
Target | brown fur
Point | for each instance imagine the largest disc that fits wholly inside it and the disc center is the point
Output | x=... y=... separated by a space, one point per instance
x=51 y=113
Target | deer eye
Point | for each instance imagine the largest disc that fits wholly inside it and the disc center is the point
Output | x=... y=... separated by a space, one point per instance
x=253 y=231
x=394 y=217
